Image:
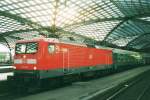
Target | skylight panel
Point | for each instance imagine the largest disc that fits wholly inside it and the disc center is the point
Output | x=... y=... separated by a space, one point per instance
x=122 y=41
x=96 y=31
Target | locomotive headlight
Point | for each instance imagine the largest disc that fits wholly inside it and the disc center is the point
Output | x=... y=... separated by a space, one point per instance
x=31 y=61
x=34 y=68
x=18 y=61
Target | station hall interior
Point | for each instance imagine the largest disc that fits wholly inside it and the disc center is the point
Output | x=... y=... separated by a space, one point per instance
x=90 y=49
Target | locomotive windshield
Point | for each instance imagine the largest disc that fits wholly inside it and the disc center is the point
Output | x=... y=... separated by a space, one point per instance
x=23 y=48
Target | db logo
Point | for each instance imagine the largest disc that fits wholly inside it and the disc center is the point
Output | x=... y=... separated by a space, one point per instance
x=90 y=56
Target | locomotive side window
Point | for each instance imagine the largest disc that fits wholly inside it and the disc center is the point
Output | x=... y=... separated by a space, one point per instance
x=51 y=48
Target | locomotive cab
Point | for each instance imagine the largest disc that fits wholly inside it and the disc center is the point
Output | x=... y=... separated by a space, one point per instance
x=33 y=58
x=26 y=55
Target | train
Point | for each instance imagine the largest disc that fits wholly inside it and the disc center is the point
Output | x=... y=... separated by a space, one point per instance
x=4 y=58
x=47 y=59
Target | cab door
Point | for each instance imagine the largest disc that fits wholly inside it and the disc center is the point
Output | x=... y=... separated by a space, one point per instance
x=52 y=56
x=65 y=59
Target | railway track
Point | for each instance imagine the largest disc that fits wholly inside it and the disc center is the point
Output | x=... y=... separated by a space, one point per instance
x=134 y=89
x=7 y=94
x=11 y=96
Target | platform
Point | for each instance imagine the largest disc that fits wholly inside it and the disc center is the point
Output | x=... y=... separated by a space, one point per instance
x=83 y=90
x=5 y=71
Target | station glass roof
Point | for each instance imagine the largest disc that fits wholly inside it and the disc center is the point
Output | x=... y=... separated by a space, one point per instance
x=116 y=23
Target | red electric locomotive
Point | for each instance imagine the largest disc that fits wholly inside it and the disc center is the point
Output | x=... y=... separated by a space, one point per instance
x=49 y=58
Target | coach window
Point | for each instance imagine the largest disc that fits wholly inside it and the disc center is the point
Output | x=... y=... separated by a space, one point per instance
x=51 y=48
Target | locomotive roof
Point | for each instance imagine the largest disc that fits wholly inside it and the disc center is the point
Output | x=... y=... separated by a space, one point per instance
x=53 y=40
x=124 y=51
x=30 y=40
